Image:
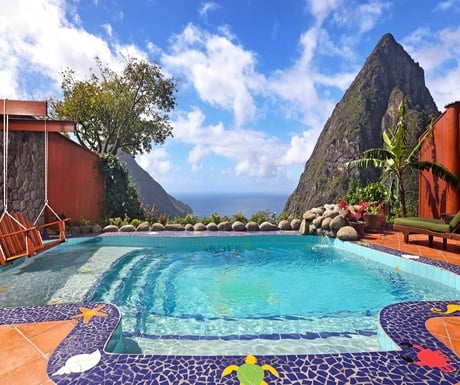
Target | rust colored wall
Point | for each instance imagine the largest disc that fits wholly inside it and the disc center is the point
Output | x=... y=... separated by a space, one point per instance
x=75 y=184
x=435 y=196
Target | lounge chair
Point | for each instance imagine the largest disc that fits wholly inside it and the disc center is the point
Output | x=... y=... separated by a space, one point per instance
x=431 y=227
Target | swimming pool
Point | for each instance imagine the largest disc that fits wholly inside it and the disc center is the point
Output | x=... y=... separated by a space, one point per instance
x=195 y=301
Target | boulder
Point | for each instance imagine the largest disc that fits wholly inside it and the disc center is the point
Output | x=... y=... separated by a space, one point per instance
x=144 y=226
x=157 y=226
x=267 y=226
x=252 y=226
x=295 y=224
x=110 y=229
x=188 y=227
x=326 y=223
x=174 y=227
x=212 y=226
x=199 y=227
x=127 y=229
x=303 y=228
x=317 y=222
x=347 y=233
x=238 y=226
x=284 y=225
x=97 y=229
x=224 y=226
x=309 y=215
x=337 y=223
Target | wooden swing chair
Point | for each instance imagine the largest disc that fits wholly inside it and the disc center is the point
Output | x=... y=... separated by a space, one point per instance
x=20 y=237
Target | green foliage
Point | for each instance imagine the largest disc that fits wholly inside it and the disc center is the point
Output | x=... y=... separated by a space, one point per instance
x=397 y=158
x=135 y=222
x=239 y=217
x=118 y=112
x=121 y=199
x=264 y=216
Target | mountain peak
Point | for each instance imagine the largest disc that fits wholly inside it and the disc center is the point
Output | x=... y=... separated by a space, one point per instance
x=367 y=108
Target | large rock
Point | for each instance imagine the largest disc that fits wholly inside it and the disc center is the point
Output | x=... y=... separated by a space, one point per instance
x=224 y=226
x=211 y=226
x=284 y=225
x=267 y=226
x=199 y=227
x=252 y=226
x=347 y=233
x=337 y=223
x=127 y=229
x=238 y=226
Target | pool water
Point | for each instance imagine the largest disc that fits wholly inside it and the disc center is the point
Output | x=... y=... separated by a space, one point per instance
x=291 y=292
x=221 y=295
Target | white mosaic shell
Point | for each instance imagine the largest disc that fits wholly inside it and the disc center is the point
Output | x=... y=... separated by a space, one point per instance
x=79 y=363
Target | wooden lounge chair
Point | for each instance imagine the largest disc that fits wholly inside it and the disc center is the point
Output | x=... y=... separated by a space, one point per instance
x=431 y=227
x=20 y=238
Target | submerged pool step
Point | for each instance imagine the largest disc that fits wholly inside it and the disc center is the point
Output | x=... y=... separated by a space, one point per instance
x=112 y=282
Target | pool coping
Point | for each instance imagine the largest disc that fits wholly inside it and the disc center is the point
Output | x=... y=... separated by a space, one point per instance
x=421 y=359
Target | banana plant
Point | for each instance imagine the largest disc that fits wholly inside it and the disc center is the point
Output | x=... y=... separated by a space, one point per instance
x=396 y=158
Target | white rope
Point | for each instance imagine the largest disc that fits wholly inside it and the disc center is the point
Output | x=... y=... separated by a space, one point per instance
x=46 y=205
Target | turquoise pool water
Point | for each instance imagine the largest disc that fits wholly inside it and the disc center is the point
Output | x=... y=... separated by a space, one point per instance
x=226 y=294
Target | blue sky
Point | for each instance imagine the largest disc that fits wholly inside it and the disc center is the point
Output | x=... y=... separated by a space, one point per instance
x=257 y=79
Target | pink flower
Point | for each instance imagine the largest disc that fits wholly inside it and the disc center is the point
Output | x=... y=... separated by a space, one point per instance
x=342 y=203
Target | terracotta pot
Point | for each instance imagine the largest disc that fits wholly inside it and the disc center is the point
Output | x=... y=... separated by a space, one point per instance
x=374 y=221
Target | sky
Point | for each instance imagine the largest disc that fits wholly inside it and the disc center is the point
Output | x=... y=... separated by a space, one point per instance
x=257 y=79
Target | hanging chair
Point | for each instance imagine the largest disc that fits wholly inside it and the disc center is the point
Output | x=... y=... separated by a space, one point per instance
x=19 y=237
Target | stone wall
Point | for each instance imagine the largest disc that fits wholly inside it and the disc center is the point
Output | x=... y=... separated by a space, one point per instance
x=26 y=175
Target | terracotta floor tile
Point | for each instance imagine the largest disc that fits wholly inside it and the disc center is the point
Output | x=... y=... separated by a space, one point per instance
x=32 y=330
x=32 y=374
x=47 y=341
x=17 y=355
x=9 y=336
x=446 y=330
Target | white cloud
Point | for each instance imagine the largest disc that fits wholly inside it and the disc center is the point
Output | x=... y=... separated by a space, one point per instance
x=321 y=9
x=222 y=72
x=438 y=53
x=156 y=162
x=46 y=44
x=206 y=8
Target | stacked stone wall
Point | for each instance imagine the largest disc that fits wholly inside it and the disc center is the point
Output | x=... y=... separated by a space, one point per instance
x=25 y=174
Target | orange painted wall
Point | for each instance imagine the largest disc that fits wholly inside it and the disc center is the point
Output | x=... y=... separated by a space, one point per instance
x=75 y=185
x=435 y=196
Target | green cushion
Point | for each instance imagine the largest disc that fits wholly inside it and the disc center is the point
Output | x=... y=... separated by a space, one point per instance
x=425 y=223
x=455 y=221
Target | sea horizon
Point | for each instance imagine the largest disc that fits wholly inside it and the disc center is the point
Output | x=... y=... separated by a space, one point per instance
x=228 y=204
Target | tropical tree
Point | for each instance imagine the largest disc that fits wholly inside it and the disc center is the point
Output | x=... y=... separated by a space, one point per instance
x=118 y=112
x=396 y=158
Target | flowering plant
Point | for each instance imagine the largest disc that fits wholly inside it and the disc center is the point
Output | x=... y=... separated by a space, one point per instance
x=362 y=208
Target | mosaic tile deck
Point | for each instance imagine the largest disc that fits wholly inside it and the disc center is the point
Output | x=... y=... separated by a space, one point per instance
x=424 y=358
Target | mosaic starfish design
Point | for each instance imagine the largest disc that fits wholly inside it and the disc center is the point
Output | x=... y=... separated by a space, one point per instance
x=87 y=314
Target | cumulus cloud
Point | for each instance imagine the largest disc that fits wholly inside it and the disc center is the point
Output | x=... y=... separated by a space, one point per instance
x=157 y=162
x=438 y=53
x=222 y=72
x=46 y=43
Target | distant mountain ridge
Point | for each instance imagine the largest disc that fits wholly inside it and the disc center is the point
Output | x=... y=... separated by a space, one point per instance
x=151 y=193
x=357 y=122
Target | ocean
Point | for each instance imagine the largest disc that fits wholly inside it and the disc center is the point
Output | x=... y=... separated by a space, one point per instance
x=204 y=205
